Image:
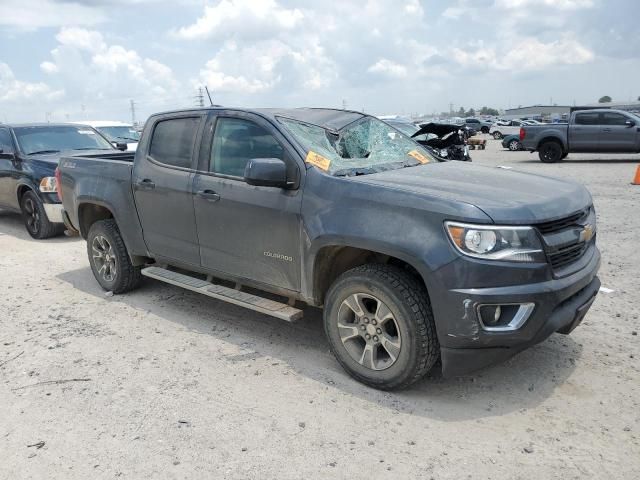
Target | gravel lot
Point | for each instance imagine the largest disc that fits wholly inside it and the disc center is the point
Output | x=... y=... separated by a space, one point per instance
x=163 y=383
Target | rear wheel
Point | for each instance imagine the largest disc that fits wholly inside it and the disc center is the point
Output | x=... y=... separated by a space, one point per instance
x=550 y=152
x=380 y=327
x=484 y=129
x=35 y=218
x=497 y=135
x=514 y=145
x=109 y=258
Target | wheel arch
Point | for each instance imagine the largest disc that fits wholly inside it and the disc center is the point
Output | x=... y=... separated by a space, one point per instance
x=551 y=138
x=333 y=259
x=90 y=213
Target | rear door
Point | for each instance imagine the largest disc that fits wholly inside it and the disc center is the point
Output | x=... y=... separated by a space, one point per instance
x=616 y=135
x=162 y=183
x=584 y=133
x=247 y=231
x=8 y=177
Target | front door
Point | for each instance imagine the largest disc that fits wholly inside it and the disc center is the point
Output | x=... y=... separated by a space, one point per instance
x=616 y=135
x=584 y=134
x=8 y=197
x=247 y=231
x=162 y=183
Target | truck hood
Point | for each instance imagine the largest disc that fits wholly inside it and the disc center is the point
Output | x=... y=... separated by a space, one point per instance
x=507 y=196
x=55 y=157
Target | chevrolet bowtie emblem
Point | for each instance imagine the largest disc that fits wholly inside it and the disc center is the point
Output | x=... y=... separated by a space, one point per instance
x=587 y=233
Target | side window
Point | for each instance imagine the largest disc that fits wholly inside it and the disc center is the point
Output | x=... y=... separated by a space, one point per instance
x=172 y=141
x=515 y=123
x=237 y=141
x=587 y=119
x=614 y=119
x=6 y=144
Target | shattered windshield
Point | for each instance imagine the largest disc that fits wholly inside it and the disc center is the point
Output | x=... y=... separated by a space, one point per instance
x=366 y=146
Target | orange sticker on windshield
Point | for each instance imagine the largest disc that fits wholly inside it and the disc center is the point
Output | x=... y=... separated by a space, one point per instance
x=318 y=160
x=418 y=156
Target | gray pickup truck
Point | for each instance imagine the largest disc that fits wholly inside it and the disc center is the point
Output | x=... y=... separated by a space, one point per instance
x=588 y=131
x=412 y=259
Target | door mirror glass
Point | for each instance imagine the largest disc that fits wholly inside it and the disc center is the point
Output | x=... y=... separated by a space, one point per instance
x=266 y=172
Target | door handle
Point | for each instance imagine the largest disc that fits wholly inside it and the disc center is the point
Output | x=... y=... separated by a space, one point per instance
x=606 y=129
x=146 y=184
x=209 y=195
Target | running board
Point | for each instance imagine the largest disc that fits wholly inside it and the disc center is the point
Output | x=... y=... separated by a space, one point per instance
x=226 y=294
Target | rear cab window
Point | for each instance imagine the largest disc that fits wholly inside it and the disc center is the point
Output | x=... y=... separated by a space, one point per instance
x=173 y=141
x=587 y=118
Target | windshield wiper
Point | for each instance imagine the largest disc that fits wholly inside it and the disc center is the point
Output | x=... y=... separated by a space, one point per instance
x=127 y=138
x=43 y=151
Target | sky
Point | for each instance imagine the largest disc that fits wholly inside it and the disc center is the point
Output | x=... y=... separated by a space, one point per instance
x=87 y=59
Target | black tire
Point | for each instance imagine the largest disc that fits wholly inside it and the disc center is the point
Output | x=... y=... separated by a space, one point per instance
x=550 y=152
x=484 y=129
x=497 y=135
x=123 y=276
x=515 y=145
x=35 y=218
x=410 y=325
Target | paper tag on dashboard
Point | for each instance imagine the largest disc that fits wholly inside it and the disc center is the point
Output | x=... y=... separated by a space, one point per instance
x=418 y=156
x=86 y=132
x=318 y=160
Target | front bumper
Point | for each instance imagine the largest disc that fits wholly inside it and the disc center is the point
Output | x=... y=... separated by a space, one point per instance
x=54 y=212
x=560 y=305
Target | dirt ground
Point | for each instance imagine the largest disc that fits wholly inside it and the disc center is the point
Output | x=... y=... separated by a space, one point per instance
x=163 y=383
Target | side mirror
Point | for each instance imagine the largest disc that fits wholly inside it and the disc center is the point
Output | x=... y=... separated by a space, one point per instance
x=122 y=146
x=629 y=123
x=7 y=155
x=266 y=172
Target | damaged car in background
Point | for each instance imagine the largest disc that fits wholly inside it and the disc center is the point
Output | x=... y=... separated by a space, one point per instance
x=443 y=140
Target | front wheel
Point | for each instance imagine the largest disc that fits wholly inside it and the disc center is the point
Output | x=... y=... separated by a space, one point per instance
x=109 y=259
x=380 y=327
x=35 y=218
x=550 y=152
x=497 y=135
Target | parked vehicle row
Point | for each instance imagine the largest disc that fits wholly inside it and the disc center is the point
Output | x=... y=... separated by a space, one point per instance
x=412 y=259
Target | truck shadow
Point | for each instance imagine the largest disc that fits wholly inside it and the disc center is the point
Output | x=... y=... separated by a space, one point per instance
x=523 y=382
x=13 y=225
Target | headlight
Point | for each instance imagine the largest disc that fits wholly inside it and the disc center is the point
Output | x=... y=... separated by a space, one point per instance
x=49 y=185
x=513 y=244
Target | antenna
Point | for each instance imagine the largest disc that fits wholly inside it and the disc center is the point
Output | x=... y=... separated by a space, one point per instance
x=208 y=95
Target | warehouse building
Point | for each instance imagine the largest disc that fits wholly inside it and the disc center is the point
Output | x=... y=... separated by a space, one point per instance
x=538 y=112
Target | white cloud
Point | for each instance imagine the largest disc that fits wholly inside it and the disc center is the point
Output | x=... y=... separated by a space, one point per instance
x=234 y=17
x=388 y=67
x=525 y=55
x=33 y=14
x=49 y=67
x=81 y=38
x=14 y=90
x=558 y=4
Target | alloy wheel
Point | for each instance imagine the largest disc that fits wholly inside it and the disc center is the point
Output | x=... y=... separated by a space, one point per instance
x=104 y=258
x=369 y=331
x=32 y=215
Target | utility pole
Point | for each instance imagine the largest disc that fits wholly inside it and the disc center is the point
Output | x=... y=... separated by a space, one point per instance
x=199 y=98
x=133 y=111
x=344 y=104
x=83 y=107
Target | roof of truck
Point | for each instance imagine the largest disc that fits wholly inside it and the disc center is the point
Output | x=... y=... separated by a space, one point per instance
x=38 y=124
x=328 y=118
